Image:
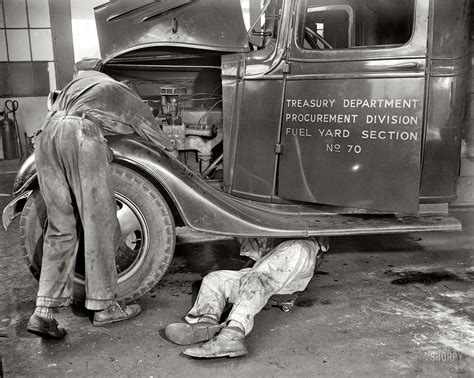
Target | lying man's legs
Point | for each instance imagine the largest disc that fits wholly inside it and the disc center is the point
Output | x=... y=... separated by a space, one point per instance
x=286 y=269
x=217 y=289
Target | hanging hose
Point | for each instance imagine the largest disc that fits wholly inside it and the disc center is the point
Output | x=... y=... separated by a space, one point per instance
x=11 y=106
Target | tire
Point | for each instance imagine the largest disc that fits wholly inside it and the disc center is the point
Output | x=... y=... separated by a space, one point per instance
x=148 y=232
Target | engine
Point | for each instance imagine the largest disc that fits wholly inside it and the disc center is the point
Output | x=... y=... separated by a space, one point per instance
x=193 y=123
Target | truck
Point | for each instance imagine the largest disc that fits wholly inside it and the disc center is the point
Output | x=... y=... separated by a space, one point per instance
x=290 y=118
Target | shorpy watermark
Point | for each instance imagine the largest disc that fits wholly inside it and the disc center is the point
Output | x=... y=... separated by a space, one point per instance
x=445 y=356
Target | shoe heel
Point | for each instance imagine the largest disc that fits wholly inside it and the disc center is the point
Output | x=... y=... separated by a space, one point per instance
x=237 y=354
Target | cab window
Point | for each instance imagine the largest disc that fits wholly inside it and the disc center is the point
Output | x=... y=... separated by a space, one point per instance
x=356 y=24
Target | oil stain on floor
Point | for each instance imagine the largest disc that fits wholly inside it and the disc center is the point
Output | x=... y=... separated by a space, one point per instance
x=426 y=278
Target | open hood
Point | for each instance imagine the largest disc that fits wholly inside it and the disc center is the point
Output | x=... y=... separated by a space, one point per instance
x=129 y=25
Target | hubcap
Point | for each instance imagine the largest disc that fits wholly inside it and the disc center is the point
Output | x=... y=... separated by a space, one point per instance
x=134 y=245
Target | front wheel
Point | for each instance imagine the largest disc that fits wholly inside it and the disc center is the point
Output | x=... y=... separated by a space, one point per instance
x=148 y=235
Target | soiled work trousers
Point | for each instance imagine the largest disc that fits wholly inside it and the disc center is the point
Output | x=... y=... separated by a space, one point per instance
x=73 y=172
x=286 y=269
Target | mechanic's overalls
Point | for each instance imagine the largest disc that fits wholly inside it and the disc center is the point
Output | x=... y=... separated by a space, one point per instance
x=72 y=166
x=286 y=269
x=73 y=171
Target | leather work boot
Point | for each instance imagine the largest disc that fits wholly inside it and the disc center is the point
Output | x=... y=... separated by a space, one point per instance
x=115 y=313
x=229 y=343
x=187 y=334
x=45 y=327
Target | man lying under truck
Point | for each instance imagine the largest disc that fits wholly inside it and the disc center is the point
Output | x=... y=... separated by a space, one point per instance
x=284 y=268
x=72 y=161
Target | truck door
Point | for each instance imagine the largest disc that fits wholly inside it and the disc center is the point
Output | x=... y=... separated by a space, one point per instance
x=352 y=128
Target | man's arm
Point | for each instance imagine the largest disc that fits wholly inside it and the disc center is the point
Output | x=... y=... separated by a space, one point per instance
x=153 y=133
x=123 y=112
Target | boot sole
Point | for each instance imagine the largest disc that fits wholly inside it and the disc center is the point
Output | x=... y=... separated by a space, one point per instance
x=42 y=333
x=239 y=353
x=187 y=334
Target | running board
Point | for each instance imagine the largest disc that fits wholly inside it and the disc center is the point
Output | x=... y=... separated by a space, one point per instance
x=365 y=224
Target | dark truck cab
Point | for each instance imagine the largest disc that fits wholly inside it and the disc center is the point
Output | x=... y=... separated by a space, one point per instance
x=290 y=119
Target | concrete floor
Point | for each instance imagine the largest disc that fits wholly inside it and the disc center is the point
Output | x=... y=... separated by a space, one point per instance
x=378 y=306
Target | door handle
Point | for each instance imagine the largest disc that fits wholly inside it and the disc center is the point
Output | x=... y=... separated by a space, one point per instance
x=404 y=66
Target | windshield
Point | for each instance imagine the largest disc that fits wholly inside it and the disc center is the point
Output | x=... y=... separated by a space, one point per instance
x=261 y=18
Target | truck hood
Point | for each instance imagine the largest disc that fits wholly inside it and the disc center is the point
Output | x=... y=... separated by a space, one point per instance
x=124 y=26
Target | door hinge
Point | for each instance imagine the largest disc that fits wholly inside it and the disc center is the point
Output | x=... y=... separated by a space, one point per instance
x=279 y=148
x=286 y=68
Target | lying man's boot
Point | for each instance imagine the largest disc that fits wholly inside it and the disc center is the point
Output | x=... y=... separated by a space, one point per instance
x=116 y=313
x=45 y=327
x=187 y=334
x=229 y=343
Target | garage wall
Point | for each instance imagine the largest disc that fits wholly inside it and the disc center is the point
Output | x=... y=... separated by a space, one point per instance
x=36 y=56
x=470 y=132
x=466 y=175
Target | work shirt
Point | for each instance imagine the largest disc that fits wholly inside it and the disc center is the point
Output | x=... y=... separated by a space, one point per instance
x=120 y=110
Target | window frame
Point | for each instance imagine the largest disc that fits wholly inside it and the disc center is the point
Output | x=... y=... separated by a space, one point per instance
x=415 y=47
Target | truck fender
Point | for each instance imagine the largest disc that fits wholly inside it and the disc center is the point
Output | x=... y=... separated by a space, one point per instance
x=25 y=182
x=201 y=206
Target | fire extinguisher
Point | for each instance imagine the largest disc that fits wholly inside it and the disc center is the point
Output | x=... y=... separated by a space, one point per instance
x=10 y=134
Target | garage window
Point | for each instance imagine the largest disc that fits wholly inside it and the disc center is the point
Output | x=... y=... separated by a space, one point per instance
x=26 y=48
